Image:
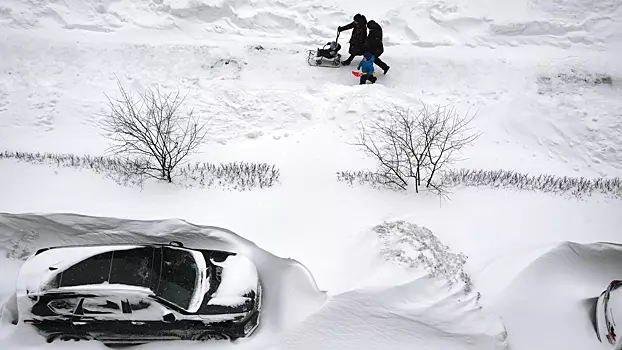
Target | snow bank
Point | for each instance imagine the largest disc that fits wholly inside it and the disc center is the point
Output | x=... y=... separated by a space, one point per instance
x=553 y=297
x=290 y=293
x=485 y=23
x=403 y=295
x=417 y=315
x=262 y=18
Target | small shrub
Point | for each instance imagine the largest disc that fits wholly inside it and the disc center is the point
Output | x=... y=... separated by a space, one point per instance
x=152 y=132
x=411 y=148
x=238 y=176
x=572 y=78
x=574 y=186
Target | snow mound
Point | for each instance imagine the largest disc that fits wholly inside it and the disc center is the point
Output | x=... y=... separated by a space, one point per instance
x=263 y=18
x=290 y=292
x=487 y=23
x=403 y=296
x=492 y=23
x=415 y=315
x=549 y=304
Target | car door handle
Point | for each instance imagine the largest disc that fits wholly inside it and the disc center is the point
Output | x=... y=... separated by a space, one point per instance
x=136 y=323
x=79 y=323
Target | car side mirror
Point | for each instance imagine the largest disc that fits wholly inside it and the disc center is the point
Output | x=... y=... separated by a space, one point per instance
x=168 y=318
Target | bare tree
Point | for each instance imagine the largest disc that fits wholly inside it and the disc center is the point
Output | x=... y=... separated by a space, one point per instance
x=152 y=130
x=411 y=148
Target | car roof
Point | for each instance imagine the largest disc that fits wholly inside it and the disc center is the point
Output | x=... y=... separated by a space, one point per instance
x=112 y=245
x=103 y=288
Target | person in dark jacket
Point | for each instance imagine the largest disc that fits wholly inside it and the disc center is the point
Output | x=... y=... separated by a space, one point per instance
x=358 y=38
x=374 y=44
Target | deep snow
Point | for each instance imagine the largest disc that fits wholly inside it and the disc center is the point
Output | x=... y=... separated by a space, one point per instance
x=531 y=257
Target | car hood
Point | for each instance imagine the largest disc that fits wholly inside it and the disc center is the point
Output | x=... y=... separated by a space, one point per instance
x=41 y=268
x=239 y=277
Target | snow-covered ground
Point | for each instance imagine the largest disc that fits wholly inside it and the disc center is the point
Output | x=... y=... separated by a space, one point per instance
x=531 y=258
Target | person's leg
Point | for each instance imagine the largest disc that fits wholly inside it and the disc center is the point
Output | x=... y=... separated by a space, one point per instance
x=363 y=79
x=372 y=79
x=348 y=60
x=380 y=63
x=353 y=51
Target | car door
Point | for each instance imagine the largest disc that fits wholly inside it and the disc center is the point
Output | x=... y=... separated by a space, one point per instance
x=64 y=308
x=150 y=320
x=98 y=316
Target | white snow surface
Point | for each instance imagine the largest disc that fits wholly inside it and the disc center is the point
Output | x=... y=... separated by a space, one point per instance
x=331 y=278
x=239 y=276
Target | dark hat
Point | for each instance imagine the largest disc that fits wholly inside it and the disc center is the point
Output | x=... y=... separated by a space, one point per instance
x=359 y=18
x=367 y=55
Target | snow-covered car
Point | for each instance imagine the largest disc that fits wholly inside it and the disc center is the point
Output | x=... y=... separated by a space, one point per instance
x=133 y=294
x=608 y=307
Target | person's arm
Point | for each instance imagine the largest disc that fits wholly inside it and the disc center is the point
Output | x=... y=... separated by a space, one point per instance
x=346 y=27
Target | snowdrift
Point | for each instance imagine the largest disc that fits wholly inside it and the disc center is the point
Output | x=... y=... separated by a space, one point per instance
x=549 y=304
x=484 y=23
x=263 y=18
x=419 y=314
x=406 y=293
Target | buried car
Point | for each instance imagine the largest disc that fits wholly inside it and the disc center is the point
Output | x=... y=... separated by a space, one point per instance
x=137 y=293
x=608 y=306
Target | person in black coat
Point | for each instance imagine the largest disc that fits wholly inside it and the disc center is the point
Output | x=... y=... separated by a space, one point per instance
x=374 y=44
x=358 y=38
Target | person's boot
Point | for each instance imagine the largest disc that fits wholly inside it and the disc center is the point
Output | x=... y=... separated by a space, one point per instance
x=347 y=61
x=386 y=70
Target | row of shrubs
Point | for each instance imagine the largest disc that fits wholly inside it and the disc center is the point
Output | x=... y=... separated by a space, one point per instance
x=248 y=175
x=236 y=175
x=575 y=186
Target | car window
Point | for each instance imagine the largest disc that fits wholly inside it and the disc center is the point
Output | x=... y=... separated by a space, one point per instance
x=178 y=276
x=132 y=267
x=101 y=306
x=145 y=309
x=63 y=306
x=94 y=270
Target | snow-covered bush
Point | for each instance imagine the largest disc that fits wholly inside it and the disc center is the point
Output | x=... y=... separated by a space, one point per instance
x=239 y=176
x=573 y=78
x=574 y=186
x=577 y=187
x=416 y=246
x=410 y=148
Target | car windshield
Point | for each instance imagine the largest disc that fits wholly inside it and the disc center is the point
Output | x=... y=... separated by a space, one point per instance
x=179 y=277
